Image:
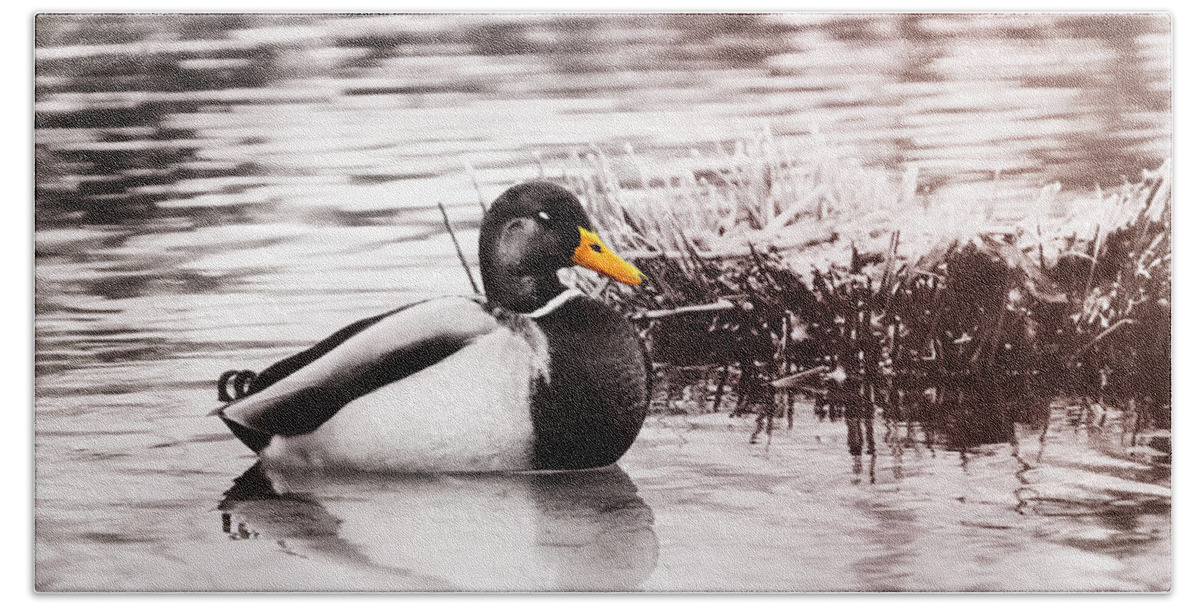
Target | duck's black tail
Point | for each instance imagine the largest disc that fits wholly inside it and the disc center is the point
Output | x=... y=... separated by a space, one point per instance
x=240 y=385
x=235 y=384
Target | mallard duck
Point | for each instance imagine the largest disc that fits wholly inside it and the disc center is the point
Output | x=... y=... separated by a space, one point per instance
x=535 y=376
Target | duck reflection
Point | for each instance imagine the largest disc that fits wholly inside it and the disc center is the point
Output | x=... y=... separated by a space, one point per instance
x=569 y=531
x=595 y=529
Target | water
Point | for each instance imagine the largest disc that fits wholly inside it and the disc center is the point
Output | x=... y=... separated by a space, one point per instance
x=223 y=191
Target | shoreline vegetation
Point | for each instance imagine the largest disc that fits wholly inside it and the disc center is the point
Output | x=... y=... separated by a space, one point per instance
x=778 y=278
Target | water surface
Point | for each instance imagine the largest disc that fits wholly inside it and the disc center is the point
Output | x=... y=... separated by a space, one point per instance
x=221 y=191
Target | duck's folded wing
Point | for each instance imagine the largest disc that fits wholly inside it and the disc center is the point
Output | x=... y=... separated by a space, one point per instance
x=286 y=367
x=390 y=349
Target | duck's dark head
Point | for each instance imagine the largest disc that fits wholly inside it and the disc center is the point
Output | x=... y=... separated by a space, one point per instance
x=531 y=231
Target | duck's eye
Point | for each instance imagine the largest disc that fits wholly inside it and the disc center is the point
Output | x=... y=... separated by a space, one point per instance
x=542 y=215
x=596 y=247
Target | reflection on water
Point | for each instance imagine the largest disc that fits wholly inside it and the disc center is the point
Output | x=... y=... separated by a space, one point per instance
x=573 y=531
x=1051 y=509
x=350 y=119
x=231 y=188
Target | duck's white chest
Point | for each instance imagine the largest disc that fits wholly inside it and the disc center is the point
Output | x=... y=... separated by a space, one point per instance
x=468 y=412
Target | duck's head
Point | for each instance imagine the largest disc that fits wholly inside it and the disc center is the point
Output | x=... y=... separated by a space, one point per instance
x=531 y=231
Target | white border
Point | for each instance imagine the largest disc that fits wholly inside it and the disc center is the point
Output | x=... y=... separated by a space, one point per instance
x=17 y=254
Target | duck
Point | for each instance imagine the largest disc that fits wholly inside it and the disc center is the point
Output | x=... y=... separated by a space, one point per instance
x=534 y=375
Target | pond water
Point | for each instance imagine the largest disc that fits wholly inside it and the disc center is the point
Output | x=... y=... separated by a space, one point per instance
x=221 y=191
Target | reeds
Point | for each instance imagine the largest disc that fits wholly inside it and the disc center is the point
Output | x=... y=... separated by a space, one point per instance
x=816 y=275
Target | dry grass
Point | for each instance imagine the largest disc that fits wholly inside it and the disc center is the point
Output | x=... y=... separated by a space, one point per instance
x=759 y=194
x=919 y=310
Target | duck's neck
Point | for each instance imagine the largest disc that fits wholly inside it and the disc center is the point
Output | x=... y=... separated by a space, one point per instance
x=519 y=292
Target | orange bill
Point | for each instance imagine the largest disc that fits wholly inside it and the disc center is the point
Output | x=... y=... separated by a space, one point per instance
x=594 y=255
